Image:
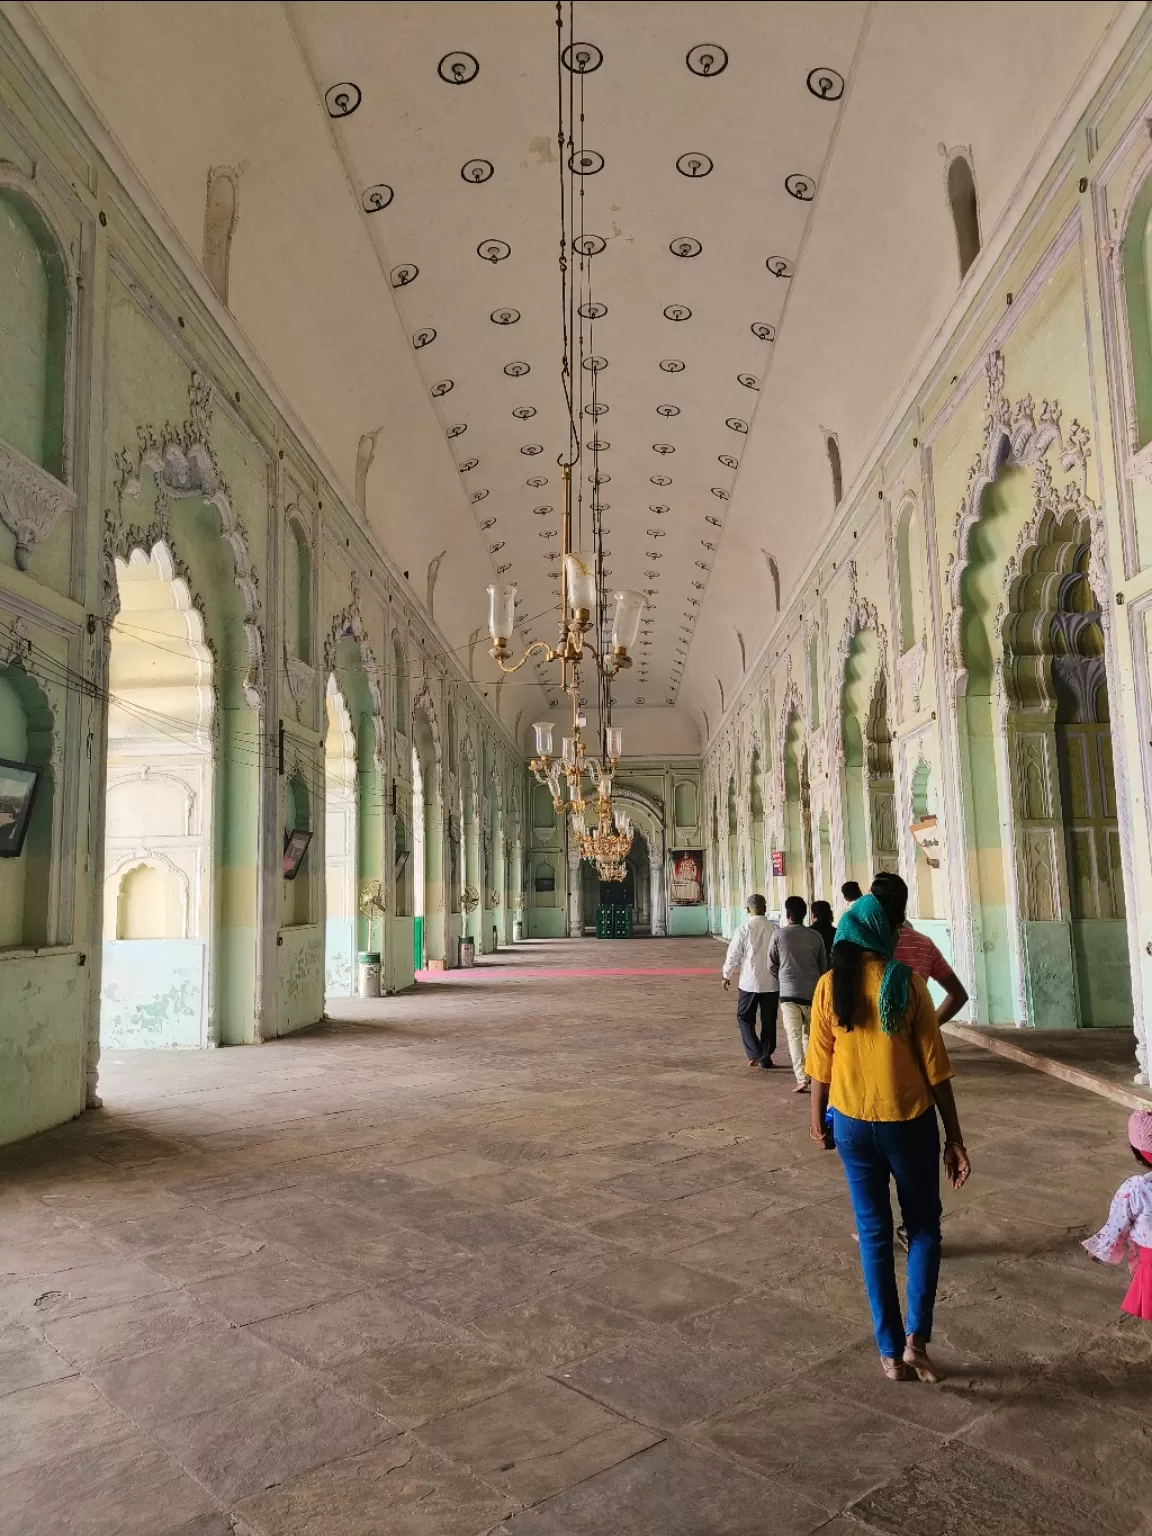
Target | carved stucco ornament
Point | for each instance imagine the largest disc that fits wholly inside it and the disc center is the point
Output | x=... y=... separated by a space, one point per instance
x=32 y=501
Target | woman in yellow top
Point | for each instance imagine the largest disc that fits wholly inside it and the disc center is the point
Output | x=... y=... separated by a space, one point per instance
x=876 y=1057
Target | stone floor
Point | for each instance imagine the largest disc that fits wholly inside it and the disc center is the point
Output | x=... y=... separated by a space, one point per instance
x=533 y=1253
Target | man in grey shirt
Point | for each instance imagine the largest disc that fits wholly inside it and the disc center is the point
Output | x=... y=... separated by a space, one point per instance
x=797 y=959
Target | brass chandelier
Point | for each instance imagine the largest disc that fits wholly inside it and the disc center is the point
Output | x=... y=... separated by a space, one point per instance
x=582 y=591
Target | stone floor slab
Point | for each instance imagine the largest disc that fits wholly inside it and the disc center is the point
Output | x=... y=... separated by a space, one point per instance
x=27 y=1361
x=400 y=1488
x=561 y=1327
x=417 y=1382
x=659 y=1290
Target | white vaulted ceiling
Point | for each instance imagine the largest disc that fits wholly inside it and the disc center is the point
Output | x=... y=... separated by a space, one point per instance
x=704 y=133
x=339 y=287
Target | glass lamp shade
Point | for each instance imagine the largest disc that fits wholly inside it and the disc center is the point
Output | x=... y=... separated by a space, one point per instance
x=568 y=750
x=614 y=741
x=626 y=620
x=501 y=611
x=581 y=572
x=543 y=729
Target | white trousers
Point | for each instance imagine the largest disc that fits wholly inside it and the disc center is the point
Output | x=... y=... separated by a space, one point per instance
x=795 y=1017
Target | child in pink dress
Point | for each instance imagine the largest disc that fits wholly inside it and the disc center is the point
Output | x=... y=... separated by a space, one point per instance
x=1129 y=1225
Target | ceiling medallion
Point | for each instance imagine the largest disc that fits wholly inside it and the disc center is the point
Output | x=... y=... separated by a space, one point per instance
x=694 y=165
x=376 y=198
x=494 y=250
x=658 y=508
x=803 y=188
x=599 y=479
x=478 y=496
x=423 y=337
x=458 y=430
x=477 y=171
x=672 y=365
x=762 y=330
x=597 y=445
x=715 y=522
x=779 y=266
x=494 y=549
x=532 y=449
x=537 y=481
x=516 y=370
x=343 y=99
x=504 y=316
x=489 y=522
x=655 y=533
x=677 y=312
x=596 y=410
x=404 y=274
x=660 y=479
x=589 y=245
x=457 y=68
x=542 y=511
x=826 y=84
x=585 y=162
x=663 y=448
x=593 y=311
x=667 y=410
x=736 y=424
x=728 y=461
x=749 y=380
x=718 y=490
x=582 y=58
x=707 y=59
x=468 y=464
x=594 y=364
x=442 y=388
x=524 y=412
x=685 y=245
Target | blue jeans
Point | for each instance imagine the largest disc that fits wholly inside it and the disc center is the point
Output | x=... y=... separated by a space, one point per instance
x=874 y=1152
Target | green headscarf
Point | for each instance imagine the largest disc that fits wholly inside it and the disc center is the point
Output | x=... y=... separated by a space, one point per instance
x=866 y=923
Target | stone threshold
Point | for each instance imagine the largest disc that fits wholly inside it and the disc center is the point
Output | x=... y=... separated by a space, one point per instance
x=1004 y=1043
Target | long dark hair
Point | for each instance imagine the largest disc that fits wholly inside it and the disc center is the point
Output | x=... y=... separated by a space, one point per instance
x=848 y=959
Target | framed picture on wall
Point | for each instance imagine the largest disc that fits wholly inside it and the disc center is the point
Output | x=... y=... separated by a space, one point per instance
x=686 y=888
x=295 y=847
x=18 y=785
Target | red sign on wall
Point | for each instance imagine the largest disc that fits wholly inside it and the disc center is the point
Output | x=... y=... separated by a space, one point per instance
x=777 y=861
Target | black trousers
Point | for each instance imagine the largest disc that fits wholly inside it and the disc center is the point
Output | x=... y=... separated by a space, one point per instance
x=746 y=1008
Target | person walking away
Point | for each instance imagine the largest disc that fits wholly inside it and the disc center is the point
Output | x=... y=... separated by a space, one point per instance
x=851 y=892
x=823 y=924
x=796 y=961
x=1129 y=1225
x=877 y=1057
x=920 y=954
x=756 y=989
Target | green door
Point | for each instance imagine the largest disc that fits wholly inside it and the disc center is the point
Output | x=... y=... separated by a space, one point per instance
x=418 y=944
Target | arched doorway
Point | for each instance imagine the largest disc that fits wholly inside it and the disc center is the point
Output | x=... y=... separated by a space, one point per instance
x=1059 y=747
x=429 y=941
x=860 y=671
x=340 y=846
x=756 y=797
x=160 y=914
x=797 y=810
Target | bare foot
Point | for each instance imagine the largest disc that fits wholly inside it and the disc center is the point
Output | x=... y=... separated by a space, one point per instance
x=895 y=1370
x=916 y=1356
x=755 y=1062
x=801 y=1088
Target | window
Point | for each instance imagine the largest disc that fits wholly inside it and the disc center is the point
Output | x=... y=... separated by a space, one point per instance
x=298 y=594
x=814 y=679
x=33 y=334
x=685 y=804
x=833 y=448
x=399 y=687
x=909 y=576
x=965 y=213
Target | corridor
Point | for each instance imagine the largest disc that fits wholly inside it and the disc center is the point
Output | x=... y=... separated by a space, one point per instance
x=530 y=1251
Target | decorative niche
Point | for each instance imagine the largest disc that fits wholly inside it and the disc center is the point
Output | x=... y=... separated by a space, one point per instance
x=37 y=319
